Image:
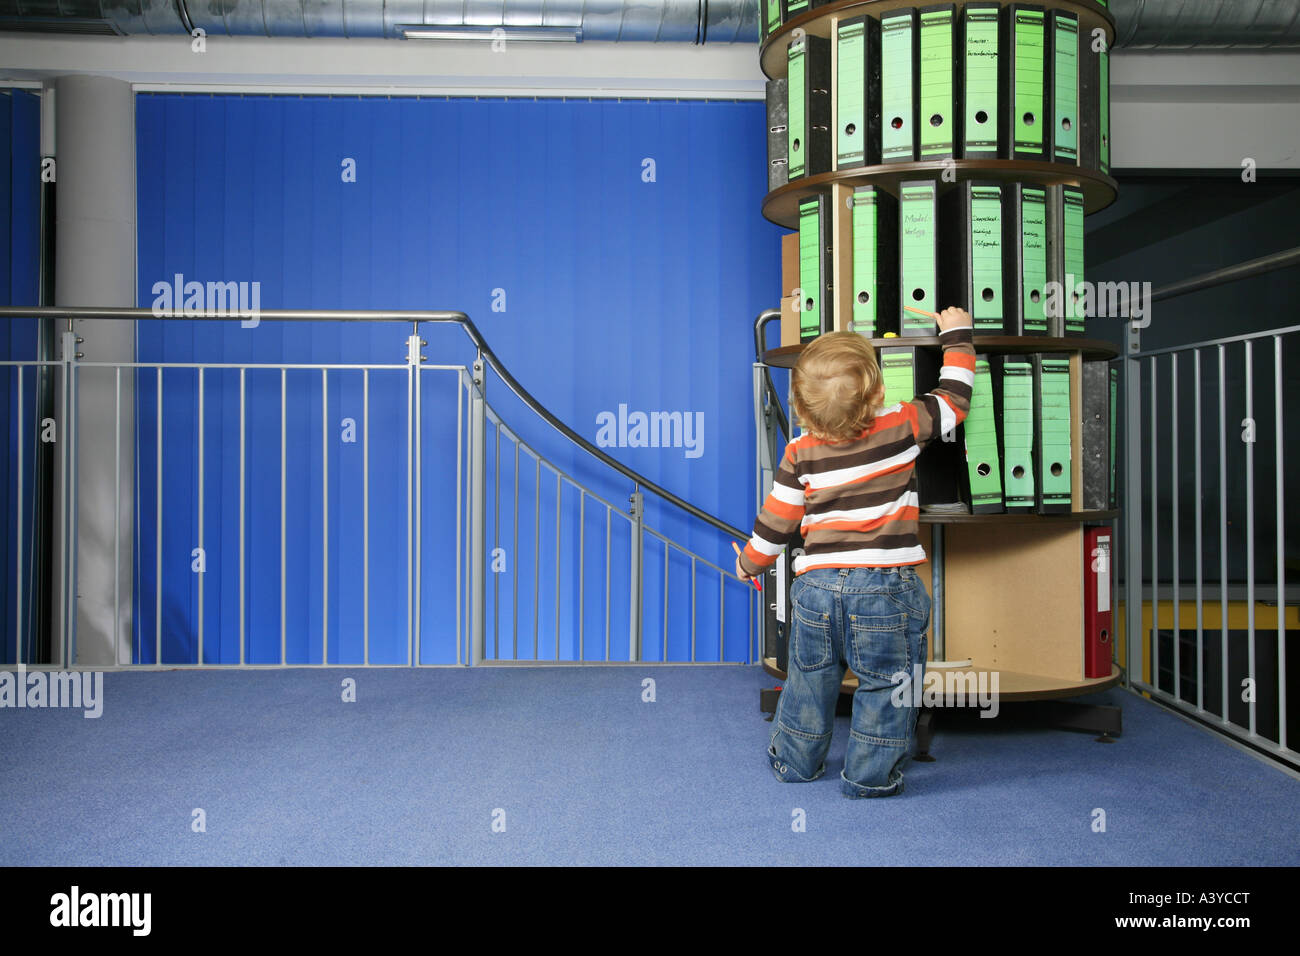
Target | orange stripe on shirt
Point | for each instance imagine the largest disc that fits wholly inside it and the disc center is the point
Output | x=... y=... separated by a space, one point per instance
x=784 y=509
x=964 y=360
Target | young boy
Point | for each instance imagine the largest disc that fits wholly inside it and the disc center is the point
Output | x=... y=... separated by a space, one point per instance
x=848 y=484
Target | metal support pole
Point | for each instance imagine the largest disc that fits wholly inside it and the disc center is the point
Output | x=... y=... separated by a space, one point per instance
x=477 y=512
x=1132 y=515
x=637 y=510
x=936 y=587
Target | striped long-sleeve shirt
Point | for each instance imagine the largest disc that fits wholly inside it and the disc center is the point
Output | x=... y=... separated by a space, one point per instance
x=855 y=502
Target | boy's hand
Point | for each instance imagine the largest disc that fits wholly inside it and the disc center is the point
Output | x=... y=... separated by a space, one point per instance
x=741 y=572
x=952 y=318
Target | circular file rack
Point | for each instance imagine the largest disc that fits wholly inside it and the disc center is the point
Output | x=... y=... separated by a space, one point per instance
x=1011 y=589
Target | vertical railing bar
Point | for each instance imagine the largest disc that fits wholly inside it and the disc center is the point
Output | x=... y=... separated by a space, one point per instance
x=325 y=516
x=496 y=544
x=460 y=504
x=1133 y=511
x=203 y=565
x=365 y=515
x=242 y=417
x=468 y=585
x=1174 y=478
x=537 y=550
x=1250 y=529
x=18 y=547
x=117 y=512
x=664 y=658
x=692 y=609
x=1200 y=542
x=73 y=522
x=284 y=436
x=722 y=618
x=607 y=546
x=410 y=559
x=64 y=511
x=158 y=531
x=582 y=571
x=1223 y=535
x=557 y=564
x=1281 y=545
x=1155 y=532
x=514 y=564
x=419 y=512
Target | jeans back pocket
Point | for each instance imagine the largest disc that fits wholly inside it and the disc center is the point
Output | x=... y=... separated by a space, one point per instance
x=879 y=645
x=810 y=639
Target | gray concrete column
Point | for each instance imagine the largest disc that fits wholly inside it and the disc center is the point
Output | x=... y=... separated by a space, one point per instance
x=95 y=266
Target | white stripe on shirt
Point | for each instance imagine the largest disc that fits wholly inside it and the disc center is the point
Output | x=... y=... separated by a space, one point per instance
x=840 y=476
x=873 y=557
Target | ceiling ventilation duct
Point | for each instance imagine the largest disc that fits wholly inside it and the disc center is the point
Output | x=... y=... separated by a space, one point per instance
x=1142 y=24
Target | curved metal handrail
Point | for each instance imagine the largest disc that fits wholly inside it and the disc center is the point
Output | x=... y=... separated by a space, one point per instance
x=442 y=317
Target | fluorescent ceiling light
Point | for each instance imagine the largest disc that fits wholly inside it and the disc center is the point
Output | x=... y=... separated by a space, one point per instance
x=469 y=32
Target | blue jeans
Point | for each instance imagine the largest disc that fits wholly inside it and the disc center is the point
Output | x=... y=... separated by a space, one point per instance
x=872 y=620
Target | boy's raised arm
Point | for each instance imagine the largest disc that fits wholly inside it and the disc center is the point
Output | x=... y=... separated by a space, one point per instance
x=941 y=410
x=779 y=520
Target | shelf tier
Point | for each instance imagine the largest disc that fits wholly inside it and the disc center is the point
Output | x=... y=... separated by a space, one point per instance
x=781 y=205
x=1012 y=685
x=1093 y=349
x=817 y=21
x=1018 y=517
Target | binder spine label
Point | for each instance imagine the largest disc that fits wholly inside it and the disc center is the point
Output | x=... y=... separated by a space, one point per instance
x=811 y=279
x=866 y=264
x=897 y=136
x=981 y=86
x=918 y=251
x=796 y=91
x=1018 y=433
x=986 y=258
x=1065 y=86
x=1029 y=75
x=982 y=459
x=1073 y=203
x=850 y=93
x=937 y=120
x=1054 y=425
x=896 y=371
x=1033 y=279
x=772 y=17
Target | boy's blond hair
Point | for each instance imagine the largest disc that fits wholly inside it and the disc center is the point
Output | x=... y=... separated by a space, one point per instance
x=834 y=386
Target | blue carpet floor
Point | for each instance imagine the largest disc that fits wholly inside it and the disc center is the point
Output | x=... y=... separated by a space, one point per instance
x=586 y=773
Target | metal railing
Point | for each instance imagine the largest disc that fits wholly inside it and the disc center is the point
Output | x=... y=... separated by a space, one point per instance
x=249 y=460
x=1186 y=456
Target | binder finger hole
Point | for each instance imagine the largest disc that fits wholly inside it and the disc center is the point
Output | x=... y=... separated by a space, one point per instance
x=1018 y=471
x=1028 y=119
x=794 y=147
x=983 y=469
x=987 y=295
x=981 y=116
x=918 y=295
x=936 y=120
x=1057 y=469
x=864 y=297
x=1066 y=124
x=850 y=129
x=896 y=122
x=1035 y=295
